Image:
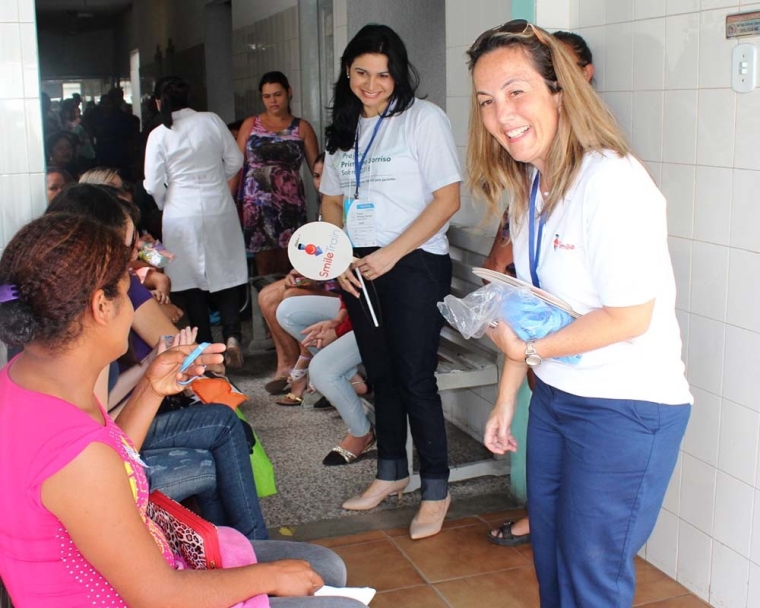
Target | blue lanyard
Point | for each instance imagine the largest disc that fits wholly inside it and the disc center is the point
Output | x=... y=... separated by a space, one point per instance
x=358 y=164
x=534 y=246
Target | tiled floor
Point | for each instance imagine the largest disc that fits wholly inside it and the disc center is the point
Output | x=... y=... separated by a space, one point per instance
x=459 y=568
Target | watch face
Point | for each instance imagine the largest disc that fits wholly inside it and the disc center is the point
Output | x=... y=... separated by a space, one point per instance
x=532 y=360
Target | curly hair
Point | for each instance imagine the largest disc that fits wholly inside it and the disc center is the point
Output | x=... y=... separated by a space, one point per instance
x=57 y=263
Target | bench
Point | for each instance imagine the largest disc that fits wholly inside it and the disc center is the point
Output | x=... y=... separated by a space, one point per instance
x=468 y=370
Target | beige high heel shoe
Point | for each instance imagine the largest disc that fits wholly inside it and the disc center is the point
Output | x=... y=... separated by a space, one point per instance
x=377 y=492
x=429 y=523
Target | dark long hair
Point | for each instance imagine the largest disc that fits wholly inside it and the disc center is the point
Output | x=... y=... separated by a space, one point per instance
x=172 y=92
x=346 y=108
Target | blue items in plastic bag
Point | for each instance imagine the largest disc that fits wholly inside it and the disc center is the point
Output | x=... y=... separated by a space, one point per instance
x=529 y=316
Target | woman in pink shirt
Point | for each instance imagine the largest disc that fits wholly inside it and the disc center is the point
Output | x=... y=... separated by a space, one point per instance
x=74 y=530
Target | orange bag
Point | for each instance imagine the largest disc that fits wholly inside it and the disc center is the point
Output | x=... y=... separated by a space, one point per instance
x=218 y=390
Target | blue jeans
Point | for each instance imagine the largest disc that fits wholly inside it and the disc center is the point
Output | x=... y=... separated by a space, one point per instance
x=182 y=472
x=597 y=474
x=215 y=428
x=323 y=561
x=332 y=367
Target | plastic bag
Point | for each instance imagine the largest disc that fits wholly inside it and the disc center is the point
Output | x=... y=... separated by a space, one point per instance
x=155 y=254
x=529 y=316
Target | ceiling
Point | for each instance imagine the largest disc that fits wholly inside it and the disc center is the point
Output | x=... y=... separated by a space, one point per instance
x=85 y=6
x=77 y=16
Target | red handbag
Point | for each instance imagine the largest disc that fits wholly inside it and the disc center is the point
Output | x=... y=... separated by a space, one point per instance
x=189 y=535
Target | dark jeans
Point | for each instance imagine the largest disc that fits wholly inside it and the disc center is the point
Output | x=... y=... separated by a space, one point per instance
x=195 y=303
x=215 y=428
x=401 y=357
x=597 y=474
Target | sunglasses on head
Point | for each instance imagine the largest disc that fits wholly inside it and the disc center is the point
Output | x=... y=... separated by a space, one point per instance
x=516 y=27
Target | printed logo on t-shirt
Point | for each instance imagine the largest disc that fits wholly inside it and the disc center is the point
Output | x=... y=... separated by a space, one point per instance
x=558 y=244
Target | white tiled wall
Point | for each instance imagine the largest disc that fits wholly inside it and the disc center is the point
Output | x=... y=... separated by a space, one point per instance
x=263 y=46
x=663 y=66
x=22 y=184
x=465 y=21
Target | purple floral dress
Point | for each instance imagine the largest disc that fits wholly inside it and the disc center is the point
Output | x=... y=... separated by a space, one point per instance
x=272 y=196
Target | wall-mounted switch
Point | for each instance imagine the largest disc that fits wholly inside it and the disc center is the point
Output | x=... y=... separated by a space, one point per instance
x=743 y=71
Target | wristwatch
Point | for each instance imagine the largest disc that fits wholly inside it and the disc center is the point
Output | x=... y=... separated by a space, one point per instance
x=532 y=358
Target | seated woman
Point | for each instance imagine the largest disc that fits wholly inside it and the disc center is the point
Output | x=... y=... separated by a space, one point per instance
x=156 y=281
x=215 y=428
x=333 y=369
x=291 y=368
x=74 y=529
x=60 y=151
x=55 y=180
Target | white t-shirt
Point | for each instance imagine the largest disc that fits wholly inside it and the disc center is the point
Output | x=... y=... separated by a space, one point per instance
x=605 y=244
x=413 y=155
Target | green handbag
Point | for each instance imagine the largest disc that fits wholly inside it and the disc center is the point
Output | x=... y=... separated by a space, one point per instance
x=263 y=472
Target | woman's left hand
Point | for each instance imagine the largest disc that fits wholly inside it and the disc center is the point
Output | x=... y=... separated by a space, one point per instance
x=163 y=375
x=377 y=263
x=161 y=297
x=507 y=341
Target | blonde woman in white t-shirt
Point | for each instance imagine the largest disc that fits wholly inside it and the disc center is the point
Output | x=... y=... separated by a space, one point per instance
x=588 y=225
x=391 y=179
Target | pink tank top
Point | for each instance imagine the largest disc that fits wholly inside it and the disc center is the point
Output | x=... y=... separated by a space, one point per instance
x=39 y=563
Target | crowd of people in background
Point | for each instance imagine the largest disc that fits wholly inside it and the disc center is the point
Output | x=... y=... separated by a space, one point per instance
x=225 y=200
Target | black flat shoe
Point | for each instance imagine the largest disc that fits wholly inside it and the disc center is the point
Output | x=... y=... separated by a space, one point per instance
x=339 y=455
x=323 y=404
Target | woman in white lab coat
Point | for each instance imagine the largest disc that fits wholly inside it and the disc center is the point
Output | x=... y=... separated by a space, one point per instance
x=188 y=161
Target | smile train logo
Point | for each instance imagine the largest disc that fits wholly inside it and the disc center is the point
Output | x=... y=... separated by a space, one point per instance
x=310 y=249
x=558 y=244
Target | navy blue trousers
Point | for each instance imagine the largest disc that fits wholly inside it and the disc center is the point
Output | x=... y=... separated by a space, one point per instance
x=597 y=473
x=401 y=357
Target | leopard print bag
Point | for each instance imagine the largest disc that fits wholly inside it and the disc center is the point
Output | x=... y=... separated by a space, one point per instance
x=191 y=537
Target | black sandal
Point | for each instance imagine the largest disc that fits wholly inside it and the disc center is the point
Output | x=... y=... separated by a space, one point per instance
x=503 y=536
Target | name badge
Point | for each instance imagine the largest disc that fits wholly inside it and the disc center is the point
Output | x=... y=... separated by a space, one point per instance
x=359 y=222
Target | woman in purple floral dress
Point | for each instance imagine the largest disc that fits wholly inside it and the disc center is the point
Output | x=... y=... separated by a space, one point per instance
x=275 y=144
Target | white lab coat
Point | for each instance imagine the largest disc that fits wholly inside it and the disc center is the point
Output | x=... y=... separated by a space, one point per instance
x=186 y=171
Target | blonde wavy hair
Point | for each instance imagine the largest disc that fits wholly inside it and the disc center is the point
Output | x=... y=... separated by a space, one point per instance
x=585 y=124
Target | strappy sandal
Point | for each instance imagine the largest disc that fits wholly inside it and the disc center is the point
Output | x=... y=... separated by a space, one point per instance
x=296 y=375
x=290 y=400
x=340 y=455
x=503 y=536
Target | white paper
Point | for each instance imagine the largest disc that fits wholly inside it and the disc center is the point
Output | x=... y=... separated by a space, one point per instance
x=362 y=594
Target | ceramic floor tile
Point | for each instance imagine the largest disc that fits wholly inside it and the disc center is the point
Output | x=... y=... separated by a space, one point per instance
x=458 y=552
x=470 y=573
x=414 y=597
x=447 y=524
x=653 y=585
x=515 y=588
x=378 y=564
x=501 y=516
x=526 y=551
x=351 y=540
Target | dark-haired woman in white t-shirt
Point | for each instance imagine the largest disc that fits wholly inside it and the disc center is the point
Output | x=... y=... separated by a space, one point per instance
x=391 y=179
